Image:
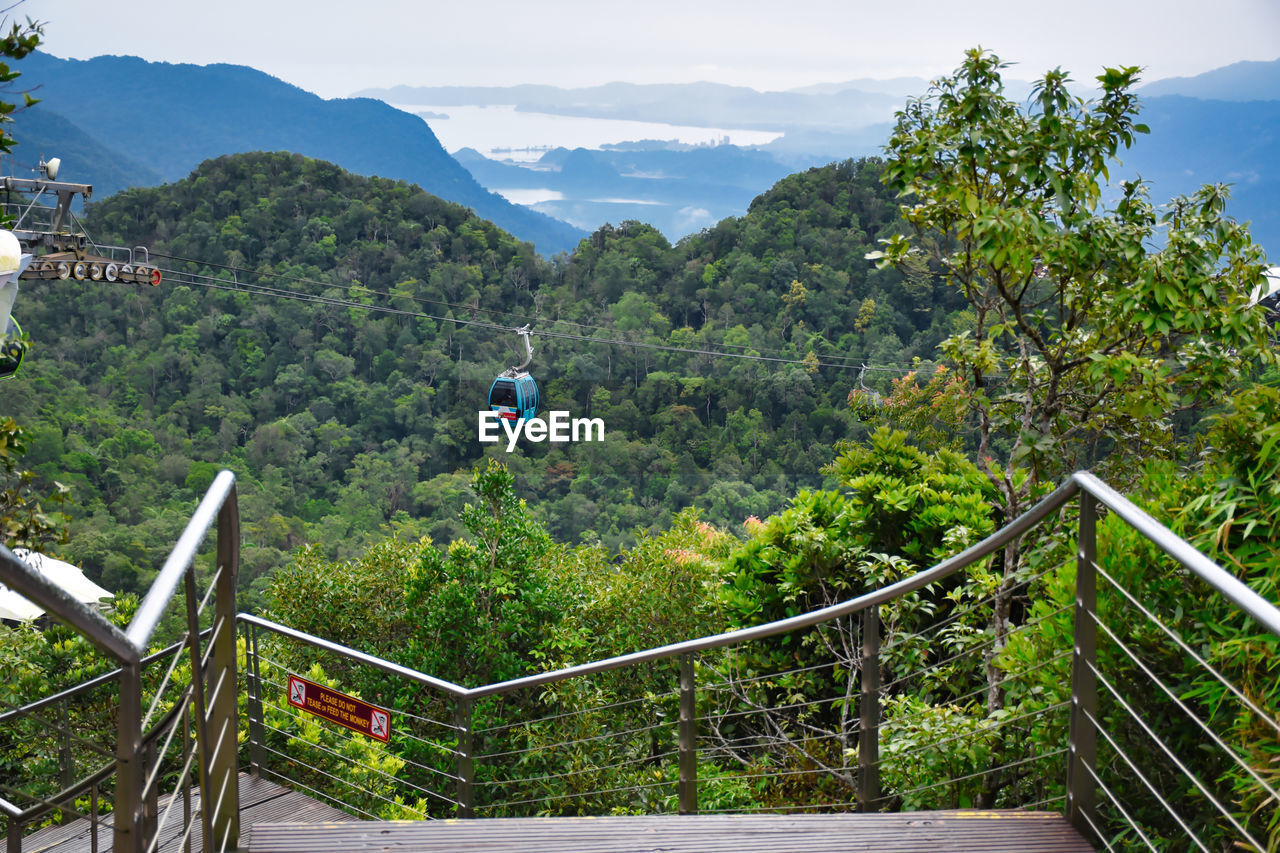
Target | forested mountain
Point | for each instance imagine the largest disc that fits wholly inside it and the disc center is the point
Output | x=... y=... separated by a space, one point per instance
x=85 y=158
x=171 y=117
x=344 y=422
x=677 y=191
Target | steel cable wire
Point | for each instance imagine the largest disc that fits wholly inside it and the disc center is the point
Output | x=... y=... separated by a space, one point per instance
x=578 y=712
x=1195 y=718
x=999 y=724
x=977 y=774
x=352 y=761
x=1115 y=801
x=299 y=762
x=1182 y=644
x=213 y=283
x=1177 y=762
x=521 y=319
x=1142 y=777
x=583 y=794
x=524 y=780
x=557 y=745
x=340 y=803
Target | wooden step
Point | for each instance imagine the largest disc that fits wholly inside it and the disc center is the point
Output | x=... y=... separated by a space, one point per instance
x=906 y=832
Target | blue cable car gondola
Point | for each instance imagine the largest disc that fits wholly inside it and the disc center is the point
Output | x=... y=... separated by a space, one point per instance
x=514 y=393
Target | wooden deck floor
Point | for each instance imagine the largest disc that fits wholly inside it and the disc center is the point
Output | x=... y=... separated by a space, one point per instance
x=261 y=803
x=274 y=819
x=909 y=832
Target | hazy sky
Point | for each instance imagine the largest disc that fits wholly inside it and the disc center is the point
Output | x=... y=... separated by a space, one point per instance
x=335 y=48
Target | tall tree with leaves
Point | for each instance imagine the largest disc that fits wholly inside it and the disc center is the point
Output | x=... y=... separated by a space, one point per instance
x=1095 y=318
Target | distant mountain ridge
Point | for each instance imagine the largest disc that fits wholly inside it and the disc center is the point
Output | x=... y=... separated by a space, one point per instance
x=170 y=118
x=1240 y=81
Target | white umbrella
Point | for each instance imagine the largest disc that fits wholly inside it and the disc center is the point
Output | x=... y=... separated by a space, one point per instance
x=72 y=580
x=15 y=608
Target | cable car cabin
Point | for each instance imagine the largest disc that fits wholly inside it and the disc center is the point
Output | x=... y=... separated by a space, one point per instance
x=514 y=396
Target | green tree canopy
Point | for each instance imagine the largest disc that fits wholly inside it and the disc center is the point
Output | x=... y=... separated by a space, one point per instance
x=1094 y=316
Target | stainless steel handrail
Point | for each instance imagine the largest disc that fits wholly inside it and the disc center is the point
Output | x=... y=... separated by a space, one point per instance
x=92 y=625
x=165 y=587
x=86 y=686
x=129 y=647
x=1087 y=487
x=1259 y=609
x=985 y=548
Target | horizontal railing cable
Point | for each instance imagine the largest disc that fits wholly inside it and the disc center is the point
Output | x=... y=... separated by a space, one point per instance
x=1142 y=777
x=84 y=687
x=999 y=723
x=577 y=795
x=1182 y=644
x=765 y=709
x=1115 y=801
x=353 y=762
x=1010 y=678
x=52 y=726
x=593 y=739
x=832 y=806
x=971 y=608
x=774 y=774
x=1173 y=757
x=578 y=712
x=300 y=763
x=755 y=679
x=1030 y=807
x=41 y=805
x=1188 y=712
x=547 y=777
x=977 y=774
x=443 y=748
x=360 y=657
x=313 y=791
x=976 y=647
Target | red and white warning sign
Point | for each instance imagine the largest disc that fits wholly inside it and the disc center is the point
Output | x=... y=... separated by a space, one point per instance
x=339 y=708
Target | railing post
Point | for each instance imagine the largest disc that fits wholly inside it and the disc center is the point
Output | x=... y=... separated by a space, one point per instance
x=204 y=762
x=66 y=760
x=869 y=712
x=223 y=768
x=1082 y=743
x=466 y=769
x=257 y=727
x=687 y=791
x=13 y=835
x=129 y=770
x=151 y=801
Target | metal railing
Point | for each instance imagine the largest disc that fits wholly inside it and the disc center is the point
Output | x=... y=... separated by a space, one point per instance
x=720 y=724
x=1075 y=692
x=157 y=701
